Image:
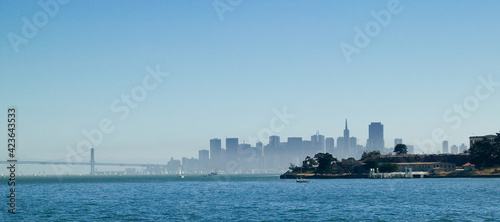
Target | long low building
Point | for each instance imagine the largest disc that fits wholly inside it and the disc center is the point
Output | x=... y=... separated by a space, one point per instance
x=426 y=166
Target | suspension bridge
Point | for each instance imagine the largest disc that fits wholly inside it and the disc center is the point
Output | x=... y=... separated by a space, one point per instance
x=91 y=163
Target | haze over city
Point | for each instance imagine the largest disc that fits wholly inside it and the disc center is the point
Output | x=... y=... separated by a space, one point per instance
x=106 y=63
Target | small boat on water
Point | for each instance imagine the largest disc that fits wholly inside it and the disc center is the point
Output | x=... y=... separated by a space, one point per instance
x=302 y=180
x=180 y=174
x=213 y=173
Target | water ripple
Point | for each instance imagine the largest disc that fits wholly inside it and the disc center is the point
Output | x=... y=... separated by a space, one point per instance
x=257 y=199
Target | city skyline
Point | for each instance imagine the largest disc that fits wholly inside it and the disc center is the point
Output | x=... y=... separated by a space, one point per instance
x=276 y=156
x=275 y=139
x=163 y=78
x=231 y=110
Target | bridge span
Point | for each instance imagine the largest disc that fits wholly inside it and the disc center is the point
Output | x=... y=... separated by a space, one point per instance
x=91 y=163
x=83 y=163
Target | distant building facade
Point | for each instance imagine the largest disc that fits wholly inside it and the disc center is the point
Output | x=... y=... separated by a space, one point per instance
x=398 y=141
x=410 y=149
x=445 y=146
x=426 y=166
x=318 y=143
x=215 y=151
x=232 y=149
x=260 y=149
x=204 y=159
x=375 y=137
x=462 y=148
x=474 y=139
x=330 y=145
x=173 y=166
x=346 y=144
x=294 y=151
x=272 y=153
x=274 y=141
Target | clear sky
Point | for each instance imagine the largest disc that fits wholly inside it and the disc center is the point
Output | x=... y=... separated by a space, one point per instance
x=228 y=72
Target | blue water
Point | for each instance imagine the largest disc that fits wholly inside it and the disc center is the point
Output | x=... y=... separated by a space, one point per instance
x=253 y=198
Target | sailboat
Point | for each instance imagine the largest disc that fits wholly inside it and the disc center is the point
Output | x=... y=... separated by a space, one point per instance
x=180 y=174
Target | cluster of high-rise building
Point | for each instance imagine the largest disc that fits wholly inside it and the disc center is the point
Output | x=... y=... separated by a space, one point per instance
x=454 y=149
x=278 y=154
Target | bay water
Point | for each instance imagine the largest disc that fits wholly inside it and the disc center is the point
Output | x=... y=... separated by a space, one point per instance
x=251 y=198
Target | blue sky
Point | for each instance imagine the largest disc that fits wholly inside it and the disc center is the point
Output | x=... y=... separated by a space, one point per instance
x=227 y=76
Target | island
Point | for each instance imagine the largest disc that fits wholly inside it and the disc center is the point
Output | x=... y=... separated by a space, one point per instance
x=481 y=160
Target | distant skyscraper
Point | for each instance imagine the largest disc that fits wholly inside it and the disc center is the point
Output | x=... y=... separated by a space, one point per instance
x=318 y=142
x=353 y=143
x=272 y=152
x=445 y=146
x=410 y=149
x=293 y=150
x=330 y=145
x=343 y=143
x=340 y=144
x=189 y=164
x=346 y=138
x=244 y=151
x=260 y=149
x=173 y=165
x=375 y=137
x=232 y=148
x=203 y=156
x=462 y=148
x=307 y=148
x=274 y=141
x=215 y=151
x=454 y=149
x=294 y=144
x=398 y=141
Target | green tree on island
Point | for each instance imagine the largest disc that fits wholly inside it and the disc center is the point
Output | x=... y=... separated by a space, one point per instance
x=370 y=155
x=325 y=161
x=308 y=163
x=370 y=163
x=486 y=153
x=388 y=167
x=400 y=149
x=349 y=165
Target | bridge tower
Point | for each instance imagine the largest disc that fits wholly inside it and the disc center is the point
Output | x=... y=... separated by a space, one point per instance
x=92 y=162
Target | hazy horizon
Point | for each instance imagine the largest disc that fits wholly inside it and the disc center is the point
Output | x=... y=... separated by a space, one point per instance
x=229 y=75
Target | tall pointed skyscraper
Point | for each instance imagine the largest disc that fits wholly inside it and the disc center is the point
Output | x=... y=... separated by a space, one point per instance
x=345 y=145
x=346 y=130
